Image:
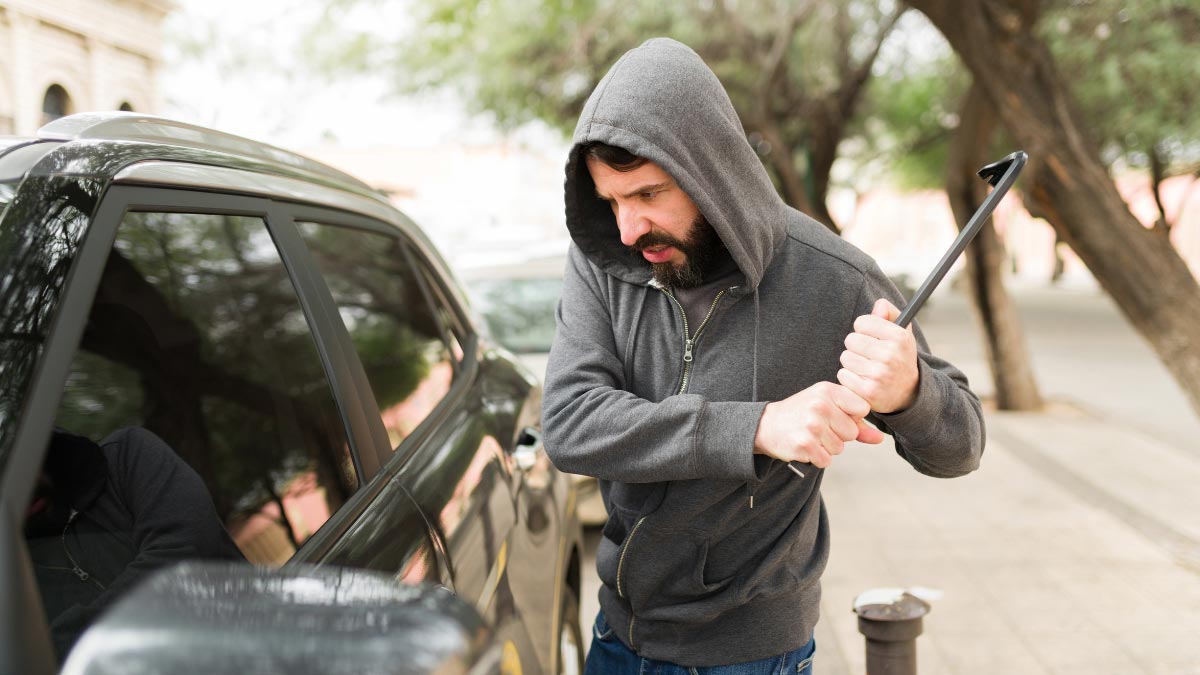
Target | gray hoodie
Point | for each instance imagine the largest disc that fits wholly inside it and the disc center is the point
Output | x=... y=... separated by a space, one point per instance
x=712 y=555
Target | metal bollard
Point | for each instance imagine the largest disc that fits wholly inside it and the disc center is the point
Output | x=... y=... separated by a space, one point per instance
x=890 y=619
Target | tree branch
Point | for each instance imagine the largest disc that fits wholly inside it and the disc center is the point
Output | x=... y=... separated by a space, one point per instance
x=775 y=62
x=1157 y=171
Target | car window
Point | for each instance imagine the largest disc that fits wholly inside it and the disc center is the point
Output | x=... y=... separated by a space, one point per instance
x=196 y=334
x=196 y=420
x=389 y=309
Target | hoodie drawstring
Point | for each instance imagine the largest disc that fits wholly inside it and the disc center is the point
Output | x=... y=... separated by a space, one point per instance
x=754 y=380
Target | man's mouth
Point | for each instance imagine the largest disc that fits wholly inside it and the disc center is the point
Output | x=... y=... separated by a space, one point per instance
x=658 y=254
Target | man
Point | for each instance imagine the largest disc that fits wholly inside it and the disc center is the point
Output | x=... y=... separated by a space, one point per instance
x=707 y=334
x=104 y=515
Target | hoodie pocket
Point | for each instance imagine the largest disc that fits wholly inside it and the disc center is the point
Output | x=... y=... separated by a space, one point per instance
x=664 y=571
x=620 y=521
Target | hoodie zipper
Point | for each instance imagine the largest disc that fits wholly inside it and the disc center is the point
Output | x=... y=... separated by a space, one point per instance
x=689 y=340
x=688 y=343
x=75 y=568
x=620 y=566
x=624 y=550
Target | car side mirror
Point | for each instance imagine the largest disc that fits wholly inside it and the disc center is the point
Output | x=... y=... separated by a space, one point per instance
x=210 y=617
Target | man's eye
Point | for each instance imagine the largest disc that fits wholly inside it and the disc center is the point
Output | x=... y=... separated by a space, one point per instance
x=648 y=195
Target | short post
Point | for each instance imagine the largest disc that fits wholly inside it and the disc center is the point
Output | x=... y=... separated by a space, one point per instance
x=890 y=619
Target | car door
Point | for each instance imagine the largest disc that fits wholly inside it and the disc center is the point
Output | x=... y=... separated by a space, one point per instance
x=451 y=417
x=192 y=352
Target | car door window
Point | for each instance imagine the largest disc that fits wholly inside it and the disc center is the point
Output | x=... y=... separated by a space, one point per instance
x=389 y=311
x=196 y=336
x=196 y=421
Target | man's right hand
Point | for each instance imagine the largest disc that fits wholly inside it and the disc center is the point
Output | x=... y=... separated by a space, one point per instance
x=814 y=425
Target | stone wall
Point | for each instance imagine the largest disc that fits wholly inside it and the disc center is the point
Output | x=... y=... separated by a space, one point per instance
x=104 y=53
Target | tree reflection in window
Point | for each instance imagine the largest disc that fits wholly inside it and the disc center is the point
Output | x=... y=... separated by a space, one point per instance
x=196 y=333
x=388 y=308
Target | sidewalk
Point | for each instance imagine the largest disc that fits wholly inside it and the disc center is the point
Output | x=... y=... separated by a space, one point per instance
x=1095 y=569
x=1076 y=546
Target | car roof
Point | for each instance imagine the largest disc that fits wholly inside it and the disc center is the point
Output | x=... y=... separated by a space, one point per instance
x=138 y=149
x=140 y=128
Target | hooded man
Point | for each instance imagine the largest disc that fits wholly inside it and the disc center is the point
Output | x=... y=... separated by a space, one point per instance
x=708 y=334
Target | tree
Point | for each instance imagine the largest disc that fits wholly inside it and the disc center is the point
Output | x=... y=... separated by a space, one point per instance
x=1133 y=68
x=924 y=142
x=998 y=42
x=796 y=72
x=1004 y=340
x=1130 y=66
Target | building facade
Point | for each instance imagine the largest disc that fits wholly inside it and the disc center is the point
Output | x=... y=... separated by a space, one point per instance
x=59 y=57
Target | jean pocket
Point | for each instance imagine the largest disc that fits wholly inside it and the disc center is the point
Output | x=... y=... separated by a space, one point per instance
x=601 y=631
x=804 y=666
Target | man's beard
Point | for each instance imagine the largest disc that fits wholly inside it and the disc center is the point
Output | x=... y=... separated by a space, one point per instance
x=699 y=250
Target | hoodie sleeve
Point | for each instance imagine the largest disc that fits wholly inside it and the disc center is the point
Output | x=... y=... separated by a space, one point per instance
x=594 y=427
x=941 y=434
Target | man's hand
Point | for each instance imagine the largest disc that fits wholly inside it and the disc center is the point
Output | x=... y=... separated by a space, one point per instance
x=814 y=425
x=880 y=361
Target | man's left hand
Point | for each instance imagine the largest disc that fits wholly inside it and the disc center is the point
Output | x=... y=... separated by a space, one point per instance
x=880 y=361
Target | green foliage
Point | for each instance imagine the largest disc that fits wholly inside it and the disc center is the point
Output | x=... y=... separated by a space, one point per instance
x=1133 y=69
x=910 y=119
x=525 y=60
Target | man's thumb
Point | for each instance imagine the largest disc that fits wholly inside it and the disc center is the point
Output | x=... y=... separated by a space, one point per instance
x=883 y=309
x=868 y=433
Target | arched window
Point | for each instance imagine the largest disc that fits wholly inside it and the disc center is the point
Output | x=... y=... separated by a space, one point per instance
x=126 y=106
x=56 y=103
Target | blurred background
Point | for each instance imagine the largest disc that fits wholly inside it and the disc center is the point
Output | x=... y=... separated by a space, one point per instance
x=1076 y=314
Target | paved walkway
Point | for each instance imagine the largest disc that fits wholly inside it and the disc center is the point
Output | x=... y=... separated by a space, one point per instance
x=1044 y=569
x=1074 y=549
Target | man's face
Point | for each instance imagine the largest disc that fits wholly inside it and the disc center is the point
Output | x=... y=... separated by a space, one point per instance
x=657 y=219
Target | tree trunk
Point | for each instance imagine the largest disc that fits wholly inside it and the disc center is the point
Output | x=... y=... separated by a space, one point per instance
x=1008 y=356
x=1140 y=269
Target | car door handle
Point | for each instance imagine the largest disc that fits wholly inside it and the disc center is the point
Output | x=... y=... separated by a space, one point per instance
x=529 y=444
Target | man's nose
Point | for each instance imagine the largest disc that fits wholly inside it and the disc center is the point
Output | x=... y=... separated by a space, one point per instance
x=632 y=226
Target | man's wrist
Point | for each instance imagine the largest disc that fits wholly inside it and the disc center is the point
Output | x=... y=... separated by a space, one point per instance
x=760 y=441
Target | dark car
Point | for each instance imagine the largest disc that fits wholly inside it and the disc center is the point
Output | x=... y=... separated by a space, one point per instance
x=220 y=358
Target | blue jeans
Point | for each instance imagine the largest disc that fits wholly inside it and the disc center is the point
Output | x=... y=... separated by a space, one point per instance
x=609 y=656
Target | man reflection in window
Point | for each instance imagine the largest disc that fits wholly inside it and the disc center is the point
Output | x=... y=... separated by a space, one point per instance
x=105 y=515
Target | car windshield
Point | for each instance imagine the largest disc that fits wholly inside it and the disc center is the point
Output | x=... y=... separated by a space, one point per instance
x=519 y=312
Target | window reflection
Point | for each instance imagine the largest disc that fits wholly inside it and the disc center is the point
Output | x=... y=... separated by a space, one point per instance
x=388 y=308
x=197 y=335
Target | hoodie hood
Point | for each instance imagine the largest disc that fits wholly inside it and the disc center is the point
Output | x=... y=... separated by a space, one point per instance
x=660 y=101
